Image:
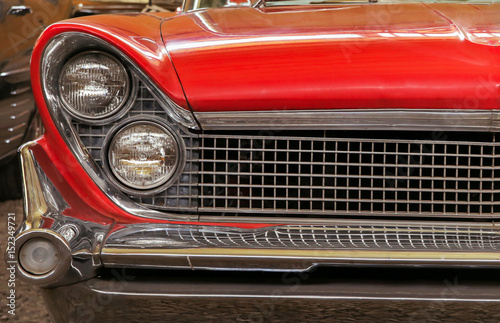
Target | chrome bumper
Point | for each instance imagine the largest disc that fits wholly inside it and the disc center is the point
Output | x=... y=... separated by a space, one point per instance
x=89 y=246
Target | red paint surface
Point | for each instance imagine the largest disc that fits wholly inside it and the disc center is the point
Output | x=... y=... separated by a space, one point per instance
x=137 y=36
x=435 y=56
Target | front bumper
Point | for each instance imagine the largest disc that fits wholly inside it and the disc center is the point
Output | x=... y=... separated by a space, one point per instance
x=90 y=241
x=97 y=253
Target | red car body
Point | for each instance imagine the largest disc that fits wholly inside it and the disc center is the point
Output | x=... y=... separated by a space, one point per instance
x=379 y=57
x=371 y=68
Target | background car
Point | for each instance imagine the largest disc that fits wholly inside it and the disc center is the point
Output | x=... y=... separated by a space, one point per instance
x=21 y=22
x=95 y=7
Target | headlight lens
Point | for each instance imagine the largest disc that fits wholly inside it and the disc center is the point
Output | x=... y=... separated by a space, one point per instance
x=94 y=85
x=143 y=155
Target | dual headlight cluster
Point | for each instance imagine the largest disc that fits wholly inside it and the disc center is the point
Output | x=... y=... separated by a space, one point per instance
x=140 y=155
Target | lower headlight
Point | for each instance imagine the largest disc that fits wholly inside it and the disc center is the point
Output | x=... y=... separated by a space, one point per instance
x=144 y=155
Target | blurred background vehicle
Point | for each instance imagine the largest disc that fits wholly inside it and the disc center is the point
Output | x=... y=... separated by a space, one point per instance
x=95 y=7
x=21 y=22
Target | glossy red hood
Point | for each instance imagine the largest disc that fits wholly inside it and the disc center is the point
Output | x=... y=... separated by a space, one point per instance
x=432 y=56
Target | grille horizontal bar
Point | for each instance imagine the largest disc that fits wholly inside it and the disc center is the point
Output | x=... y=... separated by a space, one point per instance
x=330 y=175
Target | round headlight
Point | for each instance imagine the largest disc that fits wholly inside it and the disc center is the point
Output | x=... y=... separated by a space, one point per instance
x=143 y=155
x=94 y=85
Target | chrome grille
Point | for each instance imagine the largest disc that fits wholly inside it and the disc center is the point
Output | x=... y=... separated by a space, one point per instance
x=323 y=173
x=326 y=175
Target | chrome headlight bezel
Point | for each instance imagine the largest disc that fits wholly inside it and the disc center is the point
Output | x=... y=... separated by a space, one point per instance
x=116 y=113
x=168 y=180
x=57 y=51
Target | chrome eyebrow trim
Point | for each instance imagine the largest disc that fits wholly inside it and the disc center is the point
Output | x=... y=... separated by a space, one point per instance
x=354 y=119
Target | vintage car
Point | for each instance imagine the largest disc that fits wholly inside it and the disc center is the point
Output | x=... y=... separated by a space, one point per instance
x=280 y=136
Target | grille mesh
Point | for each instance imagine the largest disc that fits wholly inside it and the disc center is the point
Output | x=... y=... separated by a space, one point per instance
x=349 y=176
x=322 y=173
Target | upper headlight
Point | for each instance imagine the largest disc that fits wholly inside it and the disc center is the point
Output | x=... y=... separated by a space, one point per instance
x=94 y=85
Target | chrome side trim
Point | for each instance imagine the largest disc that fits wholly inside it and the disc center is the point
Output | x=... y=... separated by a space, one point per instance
x=15 y=114
x=35 y=205
x=23 y=70
x=44 y=217
x=17 y=70
x=354 y=119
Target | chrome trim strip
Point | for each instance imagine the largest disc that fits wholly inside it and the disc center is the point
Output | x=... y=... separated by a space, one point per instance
x=22 y=70
x=20 y=90
x=14 y=138
x=300 y=247
x=301 y=297
x=15 y=116
x=367 y=288
x=35 y=205
x=277 y=260
x=341 y=221
x=354 y=119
